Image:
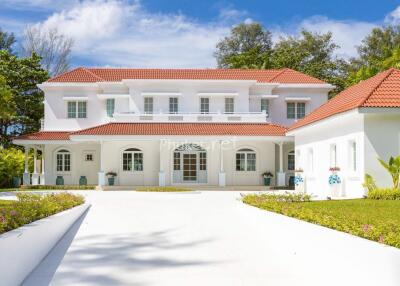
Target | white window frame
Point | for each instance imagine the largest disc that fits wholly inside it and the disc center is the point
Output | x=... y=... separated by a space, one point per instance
x=333 y=155
x=203 y=105
x=246 y=152
x=148 y=102
x=310 y=160
x=77 y=110
x=132 y=153
x=110 y=102
x=229 y=105
x=63 y=152
x=296 y=109
x=290 y=154
x=353 y=156
x=264 y=105
x=86 y=153
x=174 y=103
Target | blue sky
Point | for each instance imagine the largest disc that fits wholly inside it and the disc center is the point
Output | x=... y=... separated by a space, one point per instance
x=172 y=33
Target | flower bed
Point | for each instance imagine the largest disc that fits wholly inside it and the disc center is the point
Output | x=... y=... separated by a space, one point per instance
x=58 y=187
x=377 y=220
x=32 y=207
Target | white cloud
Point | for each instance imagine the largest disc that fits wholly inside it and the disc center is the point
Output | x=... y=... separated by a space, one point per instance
x=125 y=34
x=347 y=34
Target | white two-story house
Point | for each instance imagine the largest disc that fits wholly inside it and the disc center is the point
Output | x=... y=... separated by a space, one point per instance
x=170 y=126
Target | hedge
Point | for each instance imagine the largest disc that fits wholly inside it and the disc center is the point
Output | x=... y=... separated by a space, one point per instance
x=384 y=194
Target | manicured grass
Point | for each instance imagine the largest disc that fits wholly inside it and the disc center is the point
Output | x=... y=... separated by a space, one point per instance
x=31 y=207
x=377 y=220
x=163 y=189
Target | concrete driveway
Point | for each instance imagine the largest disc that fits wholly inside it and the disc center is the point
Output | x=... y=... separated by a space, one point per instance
x=207 y=238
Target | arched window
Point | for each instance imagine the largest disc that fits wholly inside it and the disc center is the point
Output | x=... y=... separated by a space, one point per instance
x=132 y=160
x=245 y=160
x=63 y=160
x=291 y=161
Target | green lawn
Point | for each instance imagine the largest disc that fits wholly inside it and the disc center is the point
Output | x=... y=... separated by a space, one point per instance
x=377 y=220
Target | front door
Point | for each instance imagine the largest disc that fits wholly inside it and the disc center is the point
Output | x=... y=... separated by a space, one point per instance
x=190 y=167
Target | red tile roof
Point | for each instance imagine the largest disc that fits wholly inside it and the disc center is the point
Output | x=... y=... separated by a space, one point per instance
x=234 y=129
x=382 y=90
x=45 y=135
x=117 y=74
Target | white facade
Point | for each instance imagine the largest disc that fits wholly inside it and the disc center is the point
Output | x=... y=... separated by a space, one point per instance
x=352 y=141
x=75 y=106
x=129 y=96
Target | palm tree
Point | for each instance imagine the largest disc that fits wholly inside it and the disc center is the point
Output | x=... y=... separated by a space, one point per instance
x=393 y=167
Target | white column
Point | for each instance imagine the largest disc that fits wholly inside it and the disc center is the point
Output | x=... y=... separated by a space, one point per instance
x=35 y=175
x=161 y=174
x=101 y=175
x=26 y=176
x=221 y=175
x=42 y=180
x=281 y=176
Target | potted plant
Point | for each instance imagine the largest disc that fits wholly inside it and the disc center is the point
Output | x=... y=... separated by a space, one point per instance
x=267 y=175
x=299 y=180
x=111 y=178
x=334 y=181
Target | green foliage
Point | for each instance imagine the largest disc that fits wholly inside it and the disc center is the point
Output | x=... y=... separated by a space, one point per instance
x=379 y=51
x=22 y=76
x=7 y=104
x=11 y=165
x=384 y=194
x=248 y=45
x=163 y=189
x=369 y=183
x=377 y=220
x=31 y=207
x=393 y=167
x=58 y=187
x=7 y=40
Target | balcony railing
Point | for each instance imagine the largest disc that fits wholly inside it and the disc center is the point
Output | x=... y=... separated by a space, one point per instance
x=191 y=117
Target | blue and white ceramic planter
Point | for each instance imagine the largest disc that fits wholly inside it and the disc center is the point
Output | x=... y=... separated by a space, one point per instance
x=335 y=183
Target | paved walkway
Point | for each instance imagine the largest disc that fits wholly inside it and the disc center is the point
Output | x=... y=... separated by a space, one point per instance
x=207 y=238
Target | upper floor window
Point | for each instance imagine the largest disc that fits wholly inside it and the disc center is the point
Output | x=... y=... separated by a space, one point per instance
x=148 y=105
x=76 y=109
x=132 y=160
x=295 y=110
x=110 y=106
x=173 y=105
x=265 y=106
x=229 y=105
x=63 y=161
x=204 y=105
x=245 y=160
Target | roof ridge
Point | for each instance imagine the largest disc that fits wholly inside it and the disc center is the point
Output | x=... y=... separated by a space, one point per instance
x=278 y=74
x=389 y=72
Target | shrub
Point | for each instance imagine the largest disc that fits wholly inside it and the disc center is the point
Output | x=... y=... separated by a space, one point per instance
x=58 y=187
x=393 y=168
x=11 y=165
x=369 y=183
x=384 y=194
x=163 y=189
x=31 y=207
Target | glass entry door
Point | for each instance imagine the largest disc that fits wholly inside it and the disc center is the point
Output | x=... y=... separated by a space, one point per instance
x=189 y=167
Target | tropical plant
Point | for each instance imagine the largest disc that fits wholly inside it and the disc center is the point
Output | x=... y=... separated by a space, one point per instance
x=11 y=165
x=369 y=183
x=393 y=167
x=267 y=174
x=111 y=174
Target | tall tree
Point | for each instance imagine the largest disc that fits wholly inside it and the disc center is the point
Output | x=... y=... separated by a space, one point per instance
x=7 y=40
x=53 y=47
x=247 y=45
x=312 y=54
x=7 y=104
x=21 y=76
x=379 y=51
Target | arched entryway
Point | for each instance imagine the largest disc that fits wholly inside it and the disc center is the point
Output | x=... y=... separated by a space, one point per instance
x=190 y=164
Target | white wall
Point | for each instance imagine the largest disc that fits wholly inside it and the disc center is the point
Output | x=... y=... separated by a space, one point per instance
x=189 y=100
x=79 y=167
x=382 y=140
x=339 y=130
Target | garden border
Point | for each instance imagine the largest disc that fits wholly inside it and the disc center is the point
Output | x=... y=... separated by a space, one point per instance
x=22 y=249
